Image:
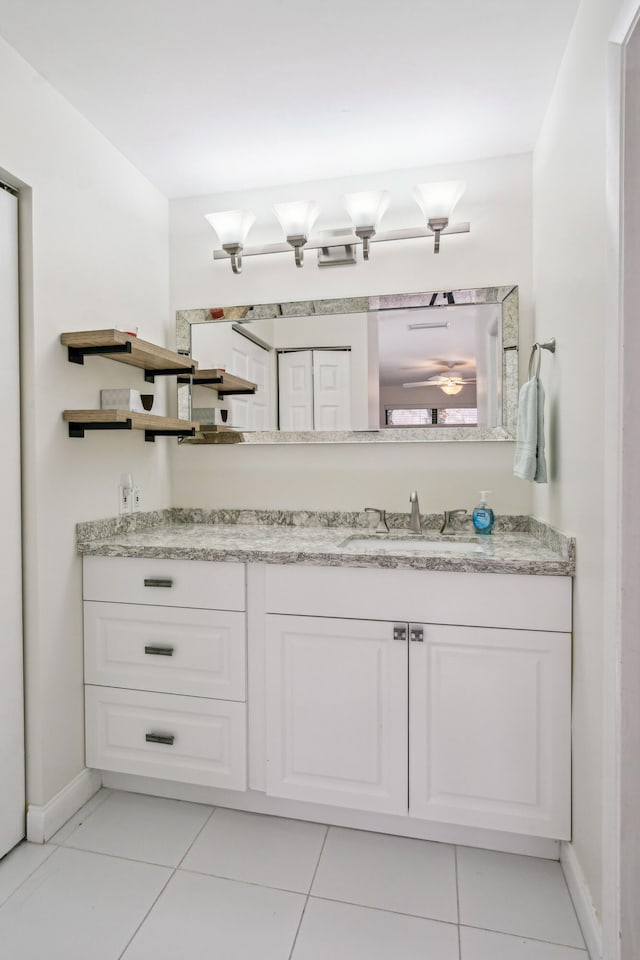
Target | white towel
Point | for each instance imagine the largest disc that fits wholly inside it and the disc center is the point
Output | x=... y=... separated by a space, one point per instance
x=529 y=461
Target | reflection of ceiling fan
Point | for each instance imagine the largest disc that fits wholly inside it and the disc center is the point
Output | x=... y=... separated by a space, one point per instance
x=448 y=384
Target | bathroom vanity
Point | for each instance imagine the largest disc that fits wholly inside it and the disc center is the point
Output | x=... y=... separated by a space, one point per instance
x=316 y=671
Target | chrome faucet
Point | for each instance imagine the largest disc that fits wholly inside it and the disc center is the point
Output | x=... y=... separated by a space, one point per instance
x=383 y=526
x=415 y=523
x=449 y=522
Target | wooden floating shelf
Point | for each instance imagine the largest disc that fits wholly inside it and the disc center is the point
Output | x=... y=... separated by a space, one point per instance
x=126 y=348
x=225 y=383
x=153 y=426
x=217 y=435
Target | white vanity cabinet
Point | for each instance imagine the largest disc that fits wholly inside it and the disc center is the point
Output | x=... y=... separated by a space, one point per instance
x=479 y=698
x=165 y=669
x=336 y=712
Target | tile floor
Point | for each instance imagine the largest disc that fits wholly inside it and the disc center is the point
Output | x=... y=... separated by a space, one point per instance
x=141 y=878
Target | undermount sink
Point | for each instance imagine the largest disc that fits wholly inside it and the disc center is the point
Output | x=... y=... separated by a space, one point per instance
x=388 y=544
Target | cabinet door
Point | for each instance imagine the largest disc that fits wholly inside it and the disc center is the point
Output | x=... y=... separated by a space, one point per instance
x=336 y=712
x=489 y=729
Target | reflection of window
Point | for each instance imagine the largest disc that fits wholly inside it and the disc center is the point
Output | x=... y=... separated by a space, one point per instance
x=458 y=415
x=430 y=416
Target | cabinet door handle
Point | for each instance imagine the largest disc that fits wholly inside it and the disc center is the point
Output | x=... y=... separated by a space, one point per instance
x=400 y=631
x=154 y=582
x=167 y=738
x=416 y=633
x=159 y=651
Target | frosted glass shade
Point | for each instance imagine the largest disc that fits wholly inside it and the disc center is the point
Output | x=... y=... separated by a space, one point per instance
x=367 y=208
x=451 y=387
x=297 y=219
x=232 y=226
x=437 y=200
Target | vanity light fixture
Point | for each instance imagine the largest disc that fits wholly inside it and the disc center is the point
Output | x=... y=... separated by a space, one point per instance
x=336 y=246
x=297 y=220
x=366 y=210
x=232 y=227
x=437 y=202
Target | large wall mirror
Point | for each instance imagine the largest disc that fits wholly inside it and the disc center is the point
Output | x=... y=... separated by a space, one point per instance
x=438 y=365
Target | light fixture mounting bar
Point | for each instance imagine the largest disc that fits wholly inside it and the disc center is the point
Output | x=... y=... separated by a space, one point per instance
x=341 y=238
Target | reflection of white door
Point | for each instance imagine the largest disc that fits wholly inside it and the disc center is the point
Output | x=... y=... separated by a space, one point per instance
x=295 y=390
x=315 y=390
x=254 y=363
x=331 y=390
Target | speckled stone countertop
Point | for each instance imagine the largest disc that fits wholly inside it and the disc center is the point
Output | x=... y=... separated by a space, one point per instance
x=518 y=545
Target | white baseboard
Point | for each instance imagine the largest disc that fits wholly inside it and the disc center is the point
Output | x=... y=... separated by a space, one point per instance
x=256 y=802
x=43 y=821
x=587 y=916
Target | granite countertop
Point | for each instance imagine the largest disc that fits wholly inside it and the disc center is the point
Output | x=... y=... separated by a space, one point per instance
x=518 y=545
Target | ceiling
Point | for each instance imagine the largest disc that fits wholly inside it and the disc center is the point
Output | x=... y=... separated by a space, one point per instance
x=206 y=96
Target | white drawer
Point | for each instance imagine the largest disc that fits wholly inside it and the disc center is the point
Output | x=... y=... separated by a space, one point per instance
x=198 y=653
x=429 y=596
x=207 y=737
x=171 y=583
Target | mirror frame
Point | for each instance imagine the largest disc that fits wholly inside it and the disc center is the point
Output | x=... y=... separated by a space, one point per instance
x=507 y=296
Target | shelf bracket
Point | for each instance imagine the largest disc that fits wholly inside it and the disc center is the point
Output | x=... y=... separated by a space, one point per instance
x=150 y=435
x=225 y=393
x=77 y=354
x=77 y=428
x=150 y=375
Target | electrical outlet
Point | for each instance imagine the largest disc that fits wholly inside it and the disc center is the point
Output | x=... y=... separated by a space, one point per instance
x=125 y=493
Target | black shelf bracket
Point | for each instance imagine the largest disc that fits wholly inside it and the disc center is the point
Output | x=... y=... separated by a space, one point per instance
x=150 y=435
x=226 y=393
x=150 y=375
x=77 y=428
x=77 y=354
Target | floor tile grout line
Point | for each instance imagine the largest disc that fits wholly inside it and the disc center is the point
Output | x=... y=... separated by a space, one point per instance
x=181 y=860
x=107 y=791
x=524 y=936
x=308 y=897
x=142 y=922
x=29 y=875
x=566 y=883
x=397 y=913
x=455 y=863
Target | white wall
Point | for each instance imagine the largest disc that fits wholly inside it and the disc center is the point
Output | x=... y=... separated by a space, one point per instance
x=497 y=251
x=570 y=256
x=95 y=253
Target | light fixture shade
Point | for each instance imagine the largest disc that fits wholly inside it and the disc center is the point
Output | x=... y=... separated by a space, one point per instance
x=437 y=200
x=367 y=208
x=451 y=388
x=232 y=226
x=297 y=219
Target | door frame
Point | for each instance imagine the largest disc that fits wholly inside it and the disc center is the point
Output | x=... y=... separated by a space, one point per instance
x=621 y=633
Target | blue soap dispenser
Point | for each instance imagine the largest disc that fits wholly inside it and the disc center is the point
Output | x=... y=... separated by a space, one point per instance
x=483 y=517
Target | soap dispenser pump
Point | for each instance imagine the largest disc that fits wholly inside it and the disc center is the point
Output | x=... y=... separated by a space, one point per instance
x=483 y=517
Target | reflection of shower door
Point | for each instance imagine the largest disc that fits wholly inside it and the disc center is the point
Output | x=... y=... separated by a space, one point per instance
x=315 y=390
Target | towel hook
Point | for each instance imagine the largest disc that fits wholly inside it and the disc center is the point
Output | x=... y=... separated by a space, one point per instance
x=549 y=345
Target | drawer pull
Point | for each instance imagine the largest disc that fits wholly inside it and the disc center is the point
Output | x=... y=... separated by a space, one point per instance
x=159 y=651
x=167 y=738
x=154 y=582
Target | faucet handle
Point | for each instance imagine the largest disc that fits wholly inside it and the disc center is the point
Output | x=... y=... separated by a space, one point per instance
x=450 y=515
x=382 y=526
